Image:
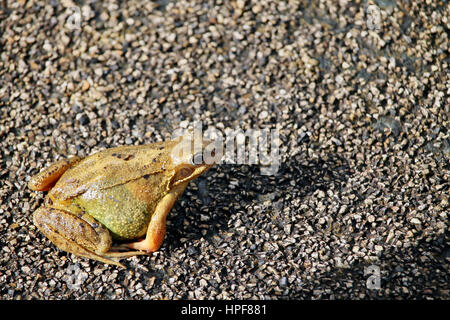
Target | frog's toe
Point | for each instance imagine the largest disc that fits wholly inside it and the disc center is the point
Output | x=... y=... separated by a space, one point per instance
x=119 y=248
x=124 y=248
x=124 y=254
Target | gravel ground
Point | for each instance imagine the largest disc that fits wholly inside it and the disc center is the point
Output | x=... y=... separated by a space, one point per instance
x=358 y=90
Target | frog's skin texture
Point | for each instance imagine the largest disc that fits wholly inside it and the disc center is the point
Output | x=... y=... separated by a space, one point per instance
x=123 y=193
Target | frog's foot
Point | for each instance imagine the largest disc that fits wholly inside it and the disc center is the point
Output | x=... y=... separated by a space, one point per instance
x=80 y=235
x=147 y=245
x=47 y=178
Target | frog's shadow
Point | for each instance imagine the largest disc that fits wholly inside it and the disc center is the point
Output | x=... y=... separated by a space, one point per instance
x=209 y=202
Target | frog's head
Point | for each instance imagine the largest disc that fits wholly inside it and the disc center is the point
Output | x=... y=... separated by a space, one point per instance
x=192 y=156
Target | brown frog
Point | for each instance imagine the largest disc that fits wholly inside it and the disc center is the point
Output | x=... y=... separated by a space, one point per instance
x=123 y=193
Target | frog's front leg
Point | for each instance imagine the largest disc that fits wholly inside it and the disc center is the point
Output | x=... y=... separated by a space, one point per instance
x=157 y=227
x=81 y=234
x=46 y=179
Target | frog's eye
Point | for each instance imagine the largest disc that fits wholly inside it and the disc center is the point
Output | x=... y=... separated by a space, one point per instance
x=197 y=159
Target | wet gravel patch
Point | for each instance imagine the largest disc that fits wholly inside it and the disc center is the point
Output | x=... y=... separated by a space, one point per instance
x=359 y=91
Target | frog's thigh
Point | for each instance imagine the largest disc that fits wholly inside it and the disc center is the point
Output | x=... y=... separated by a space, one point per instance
x=157 y=226
x=45 y=180
x=82 y=236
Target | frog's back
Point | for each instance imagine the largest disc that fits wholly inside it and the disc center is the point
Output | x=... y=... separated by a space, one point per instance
x=111 y=167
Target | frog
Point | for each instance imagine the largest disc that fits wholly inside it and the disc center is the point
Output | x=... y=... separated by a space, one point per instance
x=114 y=203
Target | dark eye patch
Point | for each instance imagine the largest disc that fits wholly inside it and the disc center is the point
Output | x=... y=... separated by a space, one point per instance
x=185 y=172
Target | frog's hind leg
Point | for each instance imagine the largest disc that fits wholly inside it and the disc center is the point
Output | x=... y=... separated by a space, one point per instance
x=81 y=235
x=46 y=179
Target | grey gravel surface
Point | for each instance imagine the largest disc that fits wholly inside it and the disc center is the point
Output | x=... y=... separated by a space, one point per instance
x=359 y=91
